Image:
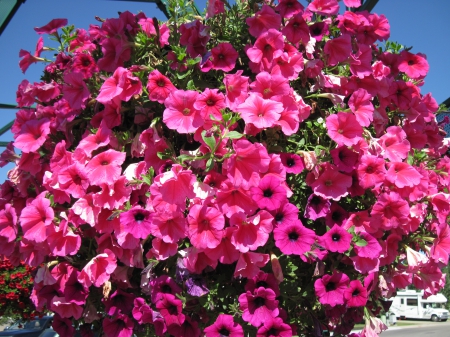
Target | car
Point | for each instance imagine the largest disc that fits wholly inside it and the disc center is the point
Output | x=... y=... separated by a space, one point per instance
x=31 y=328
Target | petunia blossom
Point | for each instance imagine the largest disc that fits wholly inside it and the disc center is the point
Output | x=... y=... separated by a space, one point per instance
x=98 y=270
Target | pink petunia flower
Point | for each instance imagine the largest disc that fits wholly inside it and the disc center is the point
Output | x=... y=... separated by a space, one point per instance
x=269 y=194
x=413 y=65
x=356 y=294
x=263 y=20
x=159 y=86
x=224 y=57
x=28 y=59
x=169 y=226
x=371 y=171
x=262 y=113
x=210 y=102
x=394 y=144
x=180 y=113
x=122 y=85
x=296 y=30
x=170 y=307
x=51 y=27
x=344 y=129
x=250 y=232
x=332 y=184
x=331 y=288
x=118 y=326
x=249 y=263
x=268 y=46
x=98 y=270
x=337 y=239
x=338 y=49
x=137 y=222
x=206 y=225
x=105 y=168
x=35 y=218
x=289 y=8
x=294 y=238
x=259 y=306
x=75 y=90
x=390 y=211
x=324 y=7
x=224 y=326
x=274 y=327
x=32 y=135
x=361 y=106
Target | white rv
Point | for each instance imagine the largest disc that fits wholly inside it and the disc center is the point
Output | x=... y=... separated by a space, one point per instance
x=411 y=304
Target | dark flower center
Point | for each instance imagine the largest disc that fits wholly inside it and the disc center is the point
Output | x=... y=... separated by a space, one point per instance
x=336 y=216
x=336 y=237
x=210 y=102
x=166 y=289
x=104 y=163
x=267 y=47
x=259 y=302
x=262 y=284
x=268 y=193
x=290 y=162
x=224 y=332
x=279 y=217
x=293 y=236
x=272 y=332
x=369 y=169
x=221 y=56
x=355 y=292
x=139 y=217
x=330 y=286
x=315 y=200
x=160 y=83
x=173 y=310
x=410 y=62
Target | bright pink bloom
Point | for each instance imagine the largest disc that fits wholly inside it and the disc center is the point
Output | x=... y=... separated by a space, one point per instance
x=137 y=222
x=402 y=174
x=210 y=102
x=51 y=27
x=317 y=207
x=289 y=8
x=195 y=36
x=371 y=171
x=356 y=294
x=270 y=86
x=294 y=238
x=259 y=306
x=84 y=64
x=263 y=20
x=413 y=65
x=345 y=158
x=371 y=250
x=62 y=241
x=395 y=144
x=98 y=270
x=86 y=210
x=35 y=218
x=332 y=184
x=75 y=90
x=142 y=313
x=297 y=30
x=214 y=7
x=441 y=245
x=249 y=263
x=338 y=49
x=206 y=225
x=159 y=87
x=337 y=239
x=224 y=57
x=170 y=307
x=92 y=142
x=180 y=113
x=32 y=135
x=122 y=85
x=115 y=53
x=268 y=46
x=105 y=168
x=250 y=232
x=28 y=59
x=331 y=288
x=274 y=327
x=324 y=7
x=344 y=128
x=65 y=309
x=352 y=3
x=262 y=113
x=73 y=180
x=8 y=223
x=390 y=211
x=236 y=87
x=269 y=194
x=361 y=106
x=169 y=226
x=224 y=326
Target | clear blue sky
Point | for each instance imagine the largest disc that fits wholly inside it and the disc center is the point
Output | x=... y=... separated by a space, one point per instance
x=424 y=25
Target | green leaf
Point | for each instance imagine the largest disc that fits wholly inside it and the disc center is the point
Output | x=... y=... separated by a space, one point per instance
x=234 y=135
x=209 y=164
x=360 y=242
x=210 y=141
x=190 y=85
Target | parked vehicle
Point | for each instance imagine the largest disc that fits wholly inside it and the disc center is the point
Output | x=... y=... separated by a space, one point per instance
x=411 y=304
x=32 y=328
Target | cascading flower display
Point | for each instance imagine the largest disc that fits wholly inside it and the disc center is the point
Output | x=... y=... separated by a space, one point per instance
x=271 y=169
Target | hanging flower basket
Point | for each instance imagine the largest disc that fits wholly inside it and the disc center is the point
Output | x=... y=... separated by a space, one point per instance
x=265 y=170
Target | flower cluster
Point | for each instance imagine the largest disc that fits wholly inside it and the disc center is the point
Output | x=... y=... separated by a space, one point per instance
x=16 y=284
x=267 y=171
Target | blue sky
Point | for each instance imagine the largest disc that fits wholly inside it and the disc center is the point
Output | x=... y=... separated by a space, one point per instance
x=418 y=24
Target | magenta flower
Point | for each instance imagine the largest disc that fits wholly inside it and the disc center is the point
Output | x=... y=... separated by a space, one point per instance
x=97 y=271
x=337 y=239
x=137 y=222
x=28 y=59
x=285 y=214
x=262 y=113
x=206 y=225
x=105 y=168
x=142 y=312
x=224 y=326
x=224 y=57
x=294 y=238
x=32 y=135
x=263 y=280
x=356 y=294
x=269 y=194
x=371 y=171
x=292 y=162
x=296 y=30
x=344 y=129
x=75 y=91
x=250 y=232
x=159 y=87
x=249 y=263
x=170 y=308
x=316 y=207
x=51 y=27
x=413 y=65
x=168 y=226
x=267 y=47
x=118 y=326
x=122 y=85
x=274 y=327
x=288 y=8
x=332 y=184
x=210 y=102
x=324 y=7
x=259 y=306
x=331 y=288
x=35 y=218
x=236 y=87
x=263 y=20
x=180 y=113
